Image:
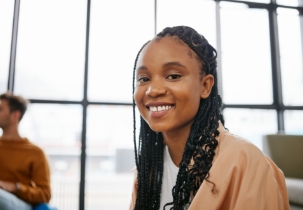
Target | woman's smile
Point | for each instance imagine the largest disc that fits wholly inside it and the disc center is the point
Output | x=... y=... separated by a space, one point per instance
x=159 y=109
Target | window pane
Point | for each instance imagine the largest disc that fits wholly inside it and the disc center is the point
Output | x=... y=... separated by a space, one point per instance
x=246 y=58
x=114 y=45
x=193 y=16
x=57 y=129
x=293 y=122
x=251 y=124
x=290 y=37
x=294 y=3
x=6 y=25
x=51 y=49
x=110 y=157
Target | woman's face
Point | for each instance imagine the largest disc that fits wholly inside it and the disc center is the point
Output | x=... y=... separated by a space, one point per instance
x=169 y=85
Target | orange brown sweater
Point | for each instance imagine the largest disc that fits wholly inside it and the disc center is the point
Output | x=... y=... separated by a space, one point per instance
x=25 y=163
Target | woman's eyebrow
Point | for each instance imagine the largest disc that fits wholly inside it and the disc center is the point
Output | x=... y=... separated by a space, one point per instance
x=174 y=63
x=141 y=68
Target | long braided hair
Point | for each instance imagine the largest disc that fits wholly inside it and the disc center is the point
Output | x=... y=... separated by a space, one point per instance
x=201 y=142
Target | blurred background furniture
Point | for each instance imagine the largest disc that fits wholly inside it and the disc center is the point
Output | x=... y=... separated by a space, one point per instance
x=44 y=206
x=287 y=152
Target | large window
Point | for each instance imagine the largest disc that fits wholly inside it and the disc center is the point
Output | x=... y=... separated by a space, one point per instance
x=246 y=59
x=290 y=37
x=51 y=49
x=73 y=59
x=110 y=157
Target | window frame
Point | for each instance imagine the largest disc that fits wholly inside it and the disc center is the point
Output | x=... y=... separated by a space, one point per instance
x=276 y=73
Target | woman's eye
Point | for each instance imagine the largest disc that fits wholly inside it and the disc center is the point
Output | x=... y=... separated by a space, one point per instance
x=173 y=76
x=143 y=79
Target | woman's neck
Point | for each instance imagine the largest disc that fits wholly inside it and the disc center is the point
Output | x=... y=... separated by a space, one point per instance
x=176 y=141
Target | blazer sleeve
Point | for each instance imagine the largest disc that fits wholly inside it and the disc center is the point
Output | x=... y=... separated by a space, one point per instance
x=243 y=178
x=38 y=190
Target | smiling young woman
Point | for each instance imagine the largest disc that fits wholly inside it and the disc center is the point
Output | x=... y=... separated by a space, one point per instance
x=186 y=159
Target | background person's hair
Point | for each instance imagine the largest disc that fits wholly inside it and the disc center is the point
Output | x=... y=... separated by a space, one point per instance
x=15 y=103
x=201 y=142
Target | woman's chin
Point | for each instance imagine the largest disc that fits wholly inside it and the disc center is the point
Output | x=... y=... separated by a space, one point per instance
x=157 y=128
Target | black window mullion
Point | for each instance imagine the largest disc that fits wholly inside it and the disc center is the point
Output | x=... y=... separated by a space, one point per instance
x=276 y=66
x=83 y=159
x=12 y=62
x=84 y=118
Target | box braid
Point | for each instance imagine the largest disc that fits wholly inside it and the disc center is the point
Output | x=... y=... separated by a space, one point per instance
x=201 y=142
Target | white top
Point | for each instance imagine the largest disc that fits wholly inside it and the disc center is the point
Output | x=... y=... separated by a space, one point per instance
x=170 y=172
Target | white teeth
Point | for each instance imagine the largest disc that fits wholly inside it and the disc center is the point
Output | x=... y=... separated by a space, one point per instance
x=153 y=108
x=159 y=108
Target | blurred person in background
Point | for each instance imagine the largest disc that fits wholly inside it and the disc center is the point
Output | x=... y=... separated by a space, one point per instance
x=24 y=169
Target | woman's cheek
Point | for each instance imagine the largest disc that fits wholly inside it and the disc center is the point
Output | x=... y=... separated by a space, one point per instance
x=136 y=97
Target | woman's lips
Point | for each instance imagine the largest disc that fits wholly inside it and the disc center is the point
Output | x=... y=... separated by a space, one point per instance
x=159 y=110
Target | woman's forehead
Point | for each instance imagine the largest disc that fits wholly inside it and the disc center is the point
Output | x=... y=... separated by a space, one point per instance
x=163 y=54
x=168 y=48
x=170 y=40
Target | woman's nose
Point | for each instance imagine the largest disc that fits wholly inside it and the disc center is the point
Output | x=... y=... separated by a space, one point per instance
x=156 y=89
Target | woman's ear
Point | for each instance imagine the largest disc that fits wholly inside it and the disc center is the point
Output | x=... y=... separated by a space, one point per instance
x=207 y=85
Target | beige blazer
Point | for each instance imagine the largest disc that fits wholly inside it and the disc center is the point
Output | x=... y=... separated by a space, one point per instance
x=244 y=179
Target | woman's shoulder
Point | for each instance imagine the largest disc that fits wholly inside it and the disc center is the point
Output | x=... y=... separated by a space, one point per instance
x=238 y=151
x=239 y=157
x=242 y=177
x=229 y=142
